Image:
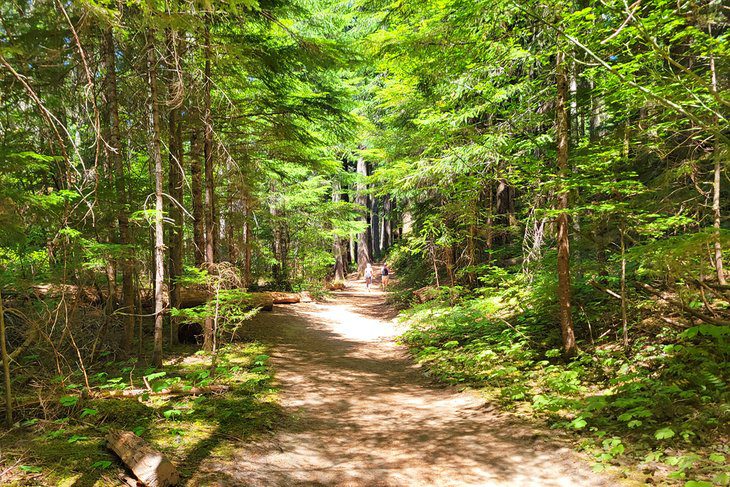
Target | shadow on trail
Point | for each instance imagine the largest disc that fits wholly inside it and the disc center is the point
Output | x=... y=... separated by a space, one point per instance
x=360 y=413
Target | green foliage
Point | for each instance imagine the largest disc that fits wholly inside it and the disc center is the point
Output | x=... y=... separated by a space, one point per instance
x=668 y=390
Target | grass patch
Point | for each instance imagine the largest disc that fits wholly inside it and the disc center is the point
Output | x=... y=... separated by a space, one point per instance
x=64 y=444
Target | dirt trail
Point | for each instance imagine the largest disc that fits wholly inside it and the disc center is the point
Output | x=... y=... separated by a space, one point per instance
x=361 y=414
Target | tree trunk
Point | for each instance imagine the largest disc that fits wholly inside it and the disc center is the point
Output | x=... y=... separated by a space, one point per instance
x=624 y=312
x=114 y=153
x=716 y=186
x=196 y=189
x=155 y=151
x=337 y=250
x=490 y=222
x=247 y=240
x=210 y=223
x=375 y=227
x=361 y=198
x=6 y=369
x=210 y=213
x=383 y=223
x=563 y=135
x=175 y=184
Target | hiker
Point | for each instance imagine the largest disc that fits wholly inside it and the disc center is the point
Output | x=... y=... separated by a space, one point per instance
x=368 y=275
x=385 y=275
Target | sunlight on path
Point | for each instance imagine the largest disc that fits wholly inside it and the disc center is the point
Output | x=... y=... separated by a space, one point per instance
x=359 y=413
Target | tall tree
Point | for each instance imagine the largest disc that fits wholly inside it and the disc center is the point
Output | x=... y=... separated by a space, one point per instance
x=562 y=136
x=114 y=154
x=155 y=147
x=176 y=175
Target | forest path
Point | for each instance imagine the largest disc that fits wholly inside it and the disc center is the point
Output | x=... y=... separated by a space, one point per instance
x=360 y=413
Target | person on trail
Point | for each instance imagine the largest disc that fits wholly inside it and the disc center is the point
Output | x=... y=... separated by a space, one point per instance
x=368 y=276
x=385 y=275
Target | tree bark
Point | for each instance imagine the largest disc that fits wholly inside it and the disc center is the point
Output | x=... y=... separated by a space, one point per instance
x=716 y=187
x=196 y=189
x=210 y=223
x=210 y=213
x=562 y=132
x=337 y=250
x=114 y=154
x=156 y=154
x=361 y=198
x=375 y=227
x=175 y=185
x=151 y=467
x=247 y=239
x=6 y=369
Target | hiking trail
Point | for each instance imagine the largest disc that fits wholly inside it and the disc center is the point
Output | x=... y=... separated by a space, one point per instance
x=361 y=413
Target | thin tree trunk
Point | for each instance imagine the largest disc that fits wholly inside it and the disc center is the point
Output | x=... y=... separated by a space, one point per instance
x=374 y=227
x=196 y=189
x=155 y=149
x=175 y=184
x=382 y=248
x=361 y=198
x=337 y=250
x=624 y=312
x=6 y=369
x=490 y=222
x=210 y=223
x=114 y=153
x=210 y=213
x=247 y=240
x=563 y=136
x=716 y=187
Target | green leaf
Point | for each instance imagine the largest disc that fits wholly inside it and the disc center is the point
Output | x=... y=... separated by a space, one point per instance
x=172 y=413
x=717 y=458
x=664 y=433
x=88 y=412
x=155 y=375
x=69 y=401
x=101 y=464
x=76 y=438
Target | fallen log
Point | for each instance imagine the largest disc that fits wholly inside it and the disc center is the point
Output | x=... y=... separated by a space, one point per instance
x=426 y=293
x=285 y=298
x=151 y=467
x=262 y=300
x=174 y=391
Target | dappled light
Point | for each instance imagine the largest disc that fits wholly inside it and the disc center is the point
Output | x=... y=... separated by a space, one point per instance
x=358 y=412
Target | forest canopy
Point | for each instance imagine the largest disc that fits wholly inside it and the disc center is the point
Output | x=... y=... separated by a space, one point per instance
x=553 y=173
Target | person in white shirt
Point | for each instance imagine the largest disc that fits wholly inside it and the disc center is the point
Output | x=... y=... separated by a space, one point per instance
x=368 y=276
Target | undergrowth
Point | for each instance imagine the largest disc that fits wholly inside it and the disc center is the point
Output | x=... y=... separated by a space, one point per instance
x=660 y=405
x=61 y=441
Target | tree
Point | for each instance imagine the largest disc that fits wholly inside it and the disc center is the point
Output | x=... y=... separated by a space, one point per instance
x=156 y=156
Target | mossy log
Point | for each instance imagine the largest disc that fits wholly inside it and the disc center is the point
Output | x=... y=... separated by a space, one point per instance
x=151 y=467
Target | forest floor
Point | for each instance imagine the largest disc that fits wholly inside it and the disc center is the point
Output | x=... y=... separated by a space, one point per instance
x=359 y=412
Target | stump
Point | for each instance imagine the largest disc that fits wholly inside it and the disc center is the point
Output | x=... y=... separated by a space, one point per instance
x=151 y=467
